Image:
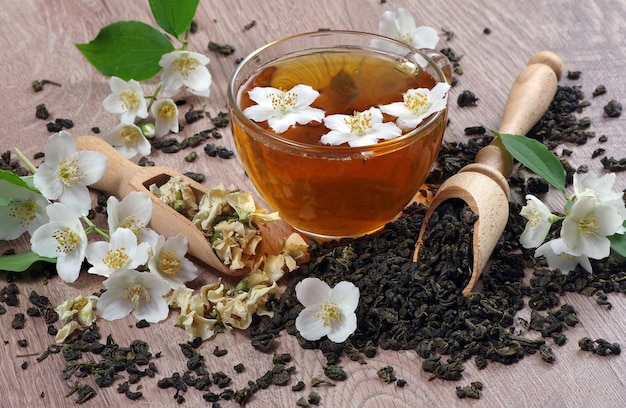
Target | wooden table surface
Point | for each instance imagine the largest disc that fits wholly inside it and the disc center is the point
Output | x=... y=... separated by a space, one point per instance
x=36 y=39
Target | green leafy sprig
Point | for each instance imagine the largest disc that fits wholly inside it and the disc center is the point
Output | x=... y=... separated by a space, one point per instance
x=132 y=49
x=535 y=156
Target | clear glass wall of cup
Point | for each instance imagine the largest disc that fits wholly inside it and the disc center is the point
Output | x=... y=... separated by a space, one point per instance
x=337 y=191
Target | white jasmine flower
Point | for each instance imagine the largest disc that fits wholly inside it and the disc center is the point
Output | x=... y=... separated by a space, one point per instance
x=418 y=104
x=25 y=211
x=128 y=140
x=560 y=257
x=540 y=218
x=586 y=228
x=66 y=173
x=601 y=190
x=169 y=262
x=400 y=25
x=359 y=129
x=283 y=109
x=121 y=252
x=131 y=291
x=165 y=114
x=63 y=238
x=133 y=212
x=127 y=98
x=185 y=71
x=327 y=312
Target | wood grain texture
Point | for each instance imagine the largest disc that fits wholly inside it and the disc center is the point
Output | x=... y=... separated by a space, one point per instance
x=36 y=39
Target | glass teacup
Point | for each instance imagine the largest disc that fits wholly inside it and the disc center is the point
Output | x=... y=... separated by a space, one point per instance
x=334 y=191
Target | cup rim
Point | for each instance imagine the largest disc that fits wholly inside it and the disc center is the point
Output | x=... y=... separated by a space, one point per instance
x=321 y=148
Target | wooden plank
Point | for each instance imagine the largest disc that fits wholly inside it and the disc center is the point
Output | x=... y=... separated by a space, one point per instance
x=36 y=39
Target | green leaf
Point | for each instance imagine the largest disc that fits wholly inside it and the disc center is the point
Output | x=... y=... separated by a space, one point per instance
x=23 y=261
x=128 y=50
x=618 y=243
x=174 y=16
x=15 y=179
x=10 y=177
x=536 y=157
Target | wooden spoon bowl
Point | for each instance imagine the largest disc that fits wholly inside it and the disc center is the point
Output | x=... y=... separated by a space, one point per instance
x=483 y=185
x=124 y=176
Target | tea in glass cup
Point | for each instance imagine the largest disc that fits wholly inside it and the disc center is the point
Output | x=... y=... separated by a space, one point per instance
x=345 y=189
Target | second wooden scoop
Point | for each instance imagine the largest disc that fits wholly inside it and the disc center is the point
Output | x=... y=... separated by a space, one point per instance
x=483 y=185
x=124 y=176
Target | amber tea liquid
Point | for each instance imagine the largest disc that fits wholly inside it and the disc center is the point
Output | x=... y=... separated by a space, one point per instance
x=338 y=191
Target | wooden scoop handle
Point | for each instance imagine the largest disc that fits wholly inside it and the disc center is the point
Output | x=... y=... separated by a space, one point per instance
x=120 y=170
x=529 y=98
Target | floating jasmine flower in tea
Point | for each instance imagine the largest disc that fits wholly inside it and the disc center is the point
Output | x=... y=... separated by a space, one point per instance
x=327 y=312
x=127 y=99
x=283 y=109
x=418 y=104
x=359 y=129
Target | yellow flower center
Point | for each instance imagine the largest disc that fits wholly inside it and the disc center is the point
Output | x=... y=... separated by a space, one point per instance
x=135 y=294
x=169 y=263
x=116 y=258
x=405 y=38
x=69 y=171
x=67 y=240
x=129 y=100
x=79 y=303
x=359 y=122
x=416 y=102
x=534 y=218
x=185 y=65
x=133 y=224
x=588 y=226
x=24 y=211
x=167 y=112
x=329 y=312
x=283 y=102
x=130 y=135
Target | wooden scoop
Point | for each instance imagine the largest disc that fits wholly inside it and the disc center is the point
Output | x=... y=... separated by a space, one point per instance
x=483 y=185
x=124 y=176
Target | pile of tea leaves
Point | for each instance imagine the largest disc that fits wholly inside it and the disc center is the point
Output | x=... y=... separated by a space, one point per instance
x=406 y=305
